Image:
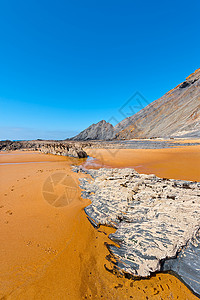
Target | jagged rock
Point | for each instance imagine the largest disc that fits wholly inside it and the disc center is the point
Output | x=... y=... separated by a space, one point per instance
x=63 y=149
x=154 y=217
x=100 y=131
x=57 y=148
x=81 y=154
x=16 y=145
x=187 y=263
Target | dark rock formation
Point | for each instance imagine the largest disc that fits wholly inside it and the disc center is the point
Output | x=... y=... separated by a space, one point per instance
x=57 y=148
x=100 y=131
x=186 y=264
x=17 y=145
x=65 y=149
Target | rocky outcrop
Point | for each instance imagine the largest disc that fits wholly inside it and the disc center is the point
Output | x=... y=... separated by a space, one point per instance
x=186 y=264
x=100 y=131
x=176 y=114
x=57 y=148
x=63 y=149
x=17 y=145
x=155 y=218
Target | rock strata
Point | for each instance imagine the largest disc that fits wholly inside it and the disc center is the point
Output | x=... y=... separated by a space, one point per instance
x=16 y=145
x=58 y=148
x=187 y=263
x=175 y=114
x=63 y=149
x=155 y=218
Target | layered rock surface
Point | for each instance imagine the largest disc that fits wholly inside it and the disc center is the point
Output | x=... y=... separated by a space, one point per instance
x=154 y=218
x=63 y=149
x=17 y=145
x=176 y=114
x=187 y=263
x=57 y=148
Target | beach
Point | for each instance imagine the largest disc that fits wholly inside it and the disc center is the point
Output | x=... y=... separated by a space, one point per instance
x=99 y=150
x=49 y=249
x=177 y=163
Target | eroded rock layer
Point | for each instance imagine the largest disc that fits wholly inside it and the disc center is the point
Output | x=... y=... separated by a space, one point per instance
x=63 y=149
x=155 y=218
x=187 y=264
x=49 y=147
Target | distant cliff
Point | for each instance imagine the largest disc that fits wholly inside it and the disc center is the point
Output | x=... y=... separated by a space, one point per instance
x=176 y=114
x=100 y=131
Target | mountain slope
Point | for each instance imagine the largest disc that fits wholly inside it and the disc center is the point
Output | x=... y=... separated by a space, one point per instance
x=176 y=114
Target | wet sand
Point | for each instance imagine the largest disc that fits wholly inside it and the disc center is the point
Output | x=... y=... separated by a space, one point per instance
x=177 y=163
x=53 y=252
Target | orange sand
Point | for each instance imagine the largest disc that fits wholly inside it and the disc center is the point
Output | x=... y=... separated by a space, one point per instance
x=178 y=163
x=49 y=252
x=186 y=140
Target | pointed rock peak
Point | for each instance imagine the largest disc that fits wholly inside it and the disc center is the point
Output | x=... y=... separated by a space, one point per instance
x=99 y=131
x=102 y=122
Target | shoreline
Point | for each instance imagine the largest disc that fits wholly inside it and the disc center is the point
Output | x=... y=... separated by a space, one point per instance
x=173 y=163
x=82 y=255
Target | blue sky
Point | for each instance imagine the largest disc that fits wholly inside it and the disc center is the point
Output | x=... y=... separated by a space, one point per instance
x=67 y=64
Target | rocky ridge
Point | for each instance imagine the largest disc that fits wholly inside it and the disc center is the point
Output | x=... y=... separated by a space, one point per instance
x=155 y=218
x=56 y=148
x=176 y=114
x=63 y=149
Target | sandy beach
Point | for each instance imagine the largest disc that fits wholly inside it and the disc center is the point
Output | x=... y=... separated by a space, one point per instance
x=177 y=163
x=49 y=249
x=99 y=150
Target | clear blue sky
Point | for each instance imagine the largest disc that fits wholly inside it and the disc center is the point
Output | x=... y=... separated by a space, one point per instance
x=67 y=64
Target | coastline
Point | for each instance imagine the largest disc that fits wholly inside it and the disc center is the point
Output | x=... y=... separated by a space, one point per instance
x=76 y=270
x=175 y=163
